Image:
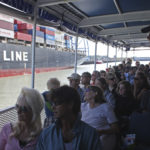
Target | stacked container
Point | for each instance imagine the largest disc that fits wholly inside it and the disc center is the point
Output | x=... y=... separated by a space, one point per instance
x=24 y=32
x=59 y=38
x=6 y=26
x=49 y=35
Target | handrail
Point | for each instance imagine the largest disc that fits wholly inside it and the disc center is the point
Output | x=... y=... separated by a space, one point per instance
x=10 y=115
x=6 y=109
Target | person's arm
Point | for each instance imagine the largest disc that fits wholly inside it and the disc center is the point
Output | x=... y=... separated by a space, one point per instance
x=3 y=137
x=112 y=130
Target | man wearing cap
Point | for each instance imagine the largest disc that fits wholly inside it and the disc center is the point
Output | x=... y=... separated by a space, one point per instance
x=74 y=81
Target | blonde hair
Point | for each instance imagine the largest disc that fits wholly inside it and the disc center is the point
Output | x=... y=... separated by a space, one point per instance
x=35 y=101
x=53 y=83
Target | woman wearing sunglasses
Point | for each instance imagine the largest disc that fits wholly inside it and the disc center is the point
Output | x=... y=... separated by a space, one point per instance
x=99 y=114
x=23 y=134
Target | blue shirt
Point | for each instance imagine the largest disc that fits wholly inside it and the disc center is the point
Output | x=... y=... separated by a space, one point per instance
x=109 y=98
x=81 y=93
x=86 y=138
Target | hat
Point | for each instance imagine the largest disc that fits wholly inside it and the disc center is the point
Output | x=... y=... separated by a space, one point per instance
x=74 y=76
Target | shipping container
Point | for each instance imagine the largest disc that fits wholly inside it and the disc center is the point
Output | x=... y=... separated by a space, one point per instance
x=26 y=26
x=6 y=33
x=59 y=36
x=50 y=29
x=23 y=36
x=6 y=25
x=49 y=37
x=38 y=33
x=50 y=42
x=46 y=31
x=17 y=21
x=24 y=31
x=6 y=18
x=39 y=40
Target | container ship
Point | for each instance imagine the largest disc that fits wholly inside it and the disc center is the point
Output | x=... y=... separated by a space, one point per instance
x=55 y=49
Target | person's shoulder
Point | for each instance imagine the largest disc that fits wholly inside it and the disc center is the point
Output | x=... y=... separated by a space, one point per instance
x=7 y=129
x=7 y=126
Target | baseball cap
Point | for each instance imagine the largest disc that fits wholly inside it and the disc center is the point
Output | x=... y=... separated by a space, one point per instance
x=145 y=29
x=74 y=76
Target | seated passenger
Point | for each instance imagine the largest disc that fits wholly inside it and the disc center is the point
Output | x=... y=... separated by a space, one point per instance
x=125 y=105
x=112 y=83
x=95 y=75
x=141 y=85
x=24 y=133
x=68 y=132
x=52 y=83
x=102 y=74
x=98 y=114
x=74 y=81
x=130 y=76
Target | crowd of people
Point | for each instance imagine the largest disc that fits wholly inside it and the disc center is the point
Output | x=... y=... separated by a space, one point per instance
x=94 y=112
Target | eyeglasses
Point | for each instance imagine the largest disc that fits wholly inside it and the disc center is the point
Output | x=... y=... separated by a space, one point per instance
x=23 y=109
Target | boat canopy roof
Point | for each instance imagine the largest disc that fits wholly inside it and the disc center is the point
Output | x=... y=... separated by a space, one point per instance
x=115 y=22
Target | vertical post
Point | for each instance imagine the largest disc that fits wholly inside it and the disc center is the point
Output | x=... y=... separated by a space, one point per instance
x=121 y=53
x=33 y=47
x=95 y=57
x=75 y=65
x=116 y=57
x=88 y=48
x=126 y=55
x=84 y=47
x=107 y=53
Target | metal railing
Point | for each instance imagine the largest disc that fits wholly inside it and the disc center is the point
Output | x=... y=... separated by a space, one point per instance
x=10 y=115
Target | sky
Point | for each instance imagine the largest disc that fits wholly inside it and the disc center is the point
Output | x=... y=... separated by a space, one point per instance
x=102 y=51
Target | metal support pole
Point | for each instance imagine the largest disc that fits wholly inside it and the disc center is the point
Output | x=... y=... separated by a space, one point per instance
x=126 y=55
x=107 y=53
x=95 y=57
x=122 y=53
x=84 y=47
x=33 y=47
x=116 y=57
x=75 y=65
x=88 y=47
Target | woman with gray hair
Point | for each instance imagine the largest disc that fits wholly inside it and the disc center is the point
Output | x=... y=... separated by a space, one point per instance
x=23 y=134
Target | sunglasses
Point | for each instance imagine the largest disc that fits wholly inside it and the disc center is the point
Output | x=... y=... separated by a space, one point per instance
x=57 y=103
x=20 y=109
